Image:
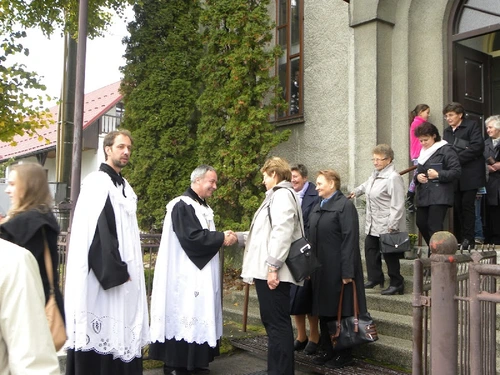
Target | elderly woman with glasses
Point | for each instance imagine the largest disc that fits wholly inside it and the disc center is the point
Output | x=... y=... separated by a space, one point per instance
x=385 y=213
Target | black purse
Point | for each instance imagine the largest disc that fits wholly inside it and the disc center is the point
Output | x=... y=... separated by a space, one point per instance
x=352 y=331
x=301 y=261
x=395 y=242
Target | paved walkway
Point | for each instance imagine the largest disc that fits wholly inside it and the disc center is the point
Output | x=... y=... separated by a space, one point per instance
x=242 y=362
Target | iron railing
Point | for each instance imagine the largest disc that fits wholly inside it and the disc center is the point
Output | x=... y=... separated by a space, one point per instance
x=149 y=245
x=485 y=351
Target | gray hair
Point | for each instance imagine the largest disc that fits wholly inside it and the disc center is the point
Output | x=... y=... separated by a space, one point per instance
x=200 y=172
x=495 y=119
x=301 y=168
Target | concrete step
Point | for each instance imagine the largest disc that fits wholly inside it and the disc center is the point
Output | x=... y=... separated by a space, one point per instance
x=388 y=349
x=388 y=324
x=398 y=304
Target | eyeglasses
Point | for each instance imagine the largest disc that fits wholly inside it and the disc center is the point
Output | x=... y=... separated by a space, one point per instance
x=379 y=160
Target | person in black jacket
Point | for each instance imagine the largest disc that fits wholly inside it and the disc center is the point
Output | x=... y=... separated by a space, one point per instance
x=300 y=296
x=334 y=236
x=492 y=156
x=30 y=221
x=438 y=168
x=466 y=138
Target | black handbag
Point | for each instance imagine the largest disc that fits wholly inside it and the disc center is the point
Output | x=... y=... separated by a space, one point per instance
x=352 y=331
x=301 y=261
x=395 y=242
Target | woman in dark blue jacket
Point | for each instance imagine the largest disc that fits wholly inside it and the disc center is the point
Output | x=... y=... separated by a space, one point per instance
x=437 y=170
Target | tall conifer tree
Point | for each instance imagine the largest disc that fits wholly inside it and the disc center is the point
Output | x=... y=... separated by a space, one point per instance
x=160 y=87
x=235 y=134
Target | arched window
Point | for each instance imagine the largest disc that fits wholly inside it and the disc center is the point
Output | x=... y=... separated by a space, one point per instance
x=289 y=36
x=477 y=15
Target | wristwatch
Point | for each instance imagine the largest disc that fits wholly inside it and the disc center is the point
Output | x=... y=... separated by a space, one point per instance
x=272 y=270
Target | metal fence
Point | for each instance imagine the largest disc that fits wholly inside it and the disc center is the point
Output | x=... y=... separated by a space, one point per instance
x=149 y=245
x=485 y=349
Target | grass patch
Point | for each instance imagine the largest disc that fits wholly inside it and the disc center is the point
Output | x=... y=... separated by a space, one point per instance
x=386 y=365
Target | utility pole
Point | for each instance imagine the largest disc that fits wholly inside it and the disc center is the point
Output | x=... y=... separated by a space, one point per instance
x=64 y=148
x=79 y=104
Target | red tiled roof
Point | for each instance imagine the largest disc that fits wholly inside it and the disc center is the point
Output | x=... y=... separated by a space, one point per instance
x=96 y=104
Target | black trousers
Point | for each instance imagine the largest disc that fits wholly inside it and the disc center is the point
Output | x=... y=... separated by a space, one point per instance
x=493 y=224
x=374 y=262
x=464 y=215
x=430 y=220
x=275 y=315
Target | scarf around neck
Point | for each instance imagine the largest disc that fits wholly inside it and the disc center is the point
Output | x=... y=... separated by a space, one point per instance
x=427 y=153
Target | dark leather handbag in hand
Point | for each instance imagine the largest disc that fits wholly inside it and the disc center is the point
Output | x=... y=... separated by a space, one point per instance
x=352 y=331
x=301 y=260
x=395 y=242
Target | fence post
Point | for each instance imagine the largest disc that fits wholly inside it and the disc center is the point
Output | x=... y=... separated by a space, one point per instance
x=475 y=316
x=444 y=311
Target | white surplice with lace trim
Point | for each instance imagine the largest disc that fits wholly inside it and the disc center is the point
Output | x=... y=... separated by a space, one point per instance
x=113 y=321
x=186 y=301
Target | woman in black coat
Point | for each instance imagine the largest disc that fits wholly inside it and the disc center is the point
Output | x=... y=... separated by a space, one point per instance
x=334 y=236
x=437 y=170
x=30 y=221
x=492 y=156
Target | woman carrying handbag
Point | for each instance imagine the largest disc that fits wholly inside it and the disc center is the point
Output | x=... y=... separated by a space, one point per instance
x=30 y=223
x=334 y=236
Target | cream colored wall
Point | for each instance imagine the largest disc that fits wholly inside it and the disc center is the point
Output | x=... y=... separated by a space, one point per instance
x=366 y=65
x=322 y=141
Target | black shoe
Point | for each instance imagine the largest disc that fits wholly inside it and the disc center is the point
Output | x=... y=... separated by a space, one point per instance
x=372 y=284
x=393 y=290
x=311 y=348
x=299 y=345
x=201 y=370
x=322 y=359
x=340 y=361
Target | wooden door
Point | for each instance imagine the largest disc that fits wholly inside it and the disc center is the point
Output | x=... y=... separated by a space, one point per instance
x=472 y=82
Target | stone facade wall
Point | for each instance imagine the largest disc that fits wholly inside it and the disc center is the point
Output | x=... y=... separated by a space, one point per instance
x=366 y=65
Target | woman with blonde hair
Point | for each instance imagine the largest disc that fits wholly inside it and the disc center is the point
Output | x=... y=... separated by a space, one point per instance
x=275 y=225
x=30 y=222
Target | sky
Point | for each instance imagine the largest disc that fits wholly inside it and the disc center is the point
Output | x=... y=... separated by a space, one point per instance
x=104 y=57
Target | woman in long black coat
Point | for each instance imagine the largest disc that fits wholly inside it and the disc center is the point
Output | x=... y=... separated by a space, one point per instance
x=334 y=235
x=30 y=221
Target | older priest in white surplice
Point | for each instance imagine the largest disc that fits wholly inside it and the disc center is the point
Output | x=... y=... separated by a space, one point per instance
x=186 y=313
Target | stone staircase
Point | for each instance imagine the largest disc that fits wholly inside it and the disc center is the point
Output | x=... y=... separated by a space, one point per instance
x=392 y=315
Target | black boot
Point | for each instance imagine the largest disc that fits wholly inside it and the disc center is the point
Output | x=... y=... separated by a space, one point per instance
x=410 y=199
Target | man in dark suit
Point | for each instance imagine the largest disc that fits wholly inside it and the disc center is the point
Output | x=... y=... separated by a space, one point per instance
x=301 y=302
x=467 y=139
